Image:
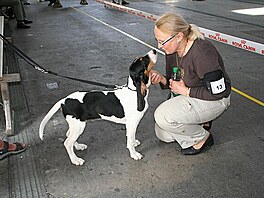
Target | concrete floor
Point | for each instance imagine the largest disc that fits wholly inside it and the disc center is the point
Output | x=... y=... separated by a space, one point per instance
x=73 y=41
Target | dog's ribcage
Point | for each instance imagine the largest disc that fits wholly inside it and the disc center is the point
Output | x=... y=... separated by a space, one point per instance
x=117 y=106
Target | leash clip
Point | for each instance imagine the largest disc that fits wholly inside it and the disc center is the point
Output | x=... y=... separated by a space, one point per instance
x=40 y=69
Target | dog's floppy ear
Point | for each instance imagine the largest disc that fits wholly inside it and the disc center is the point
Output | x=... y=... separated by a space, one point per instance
x=137 y=81
x=140 y=96
x=137 y=73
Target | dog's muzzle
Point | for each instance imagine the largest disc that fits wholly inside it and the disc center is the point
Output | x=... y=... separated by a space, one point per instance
x=152 y=54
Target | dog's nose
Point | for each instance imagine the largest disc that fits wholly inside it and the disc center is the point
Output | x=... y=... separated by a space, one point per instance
x=154 y=51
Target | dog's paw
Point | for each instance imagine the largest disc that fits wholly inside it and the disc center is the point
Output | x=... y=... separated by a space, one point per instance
x=80 y=146
x=136 y=143
x=78 y=161
x=136 y=155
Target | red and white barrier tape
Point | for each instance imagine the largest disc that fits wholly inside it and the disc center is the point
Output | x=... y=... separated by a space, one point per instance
x=128 y=10
x=216 y=36
x=233 y=41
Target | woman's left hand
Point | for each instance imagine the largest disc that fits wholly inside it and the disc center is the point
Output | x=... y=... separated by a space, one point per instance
x=178 y=87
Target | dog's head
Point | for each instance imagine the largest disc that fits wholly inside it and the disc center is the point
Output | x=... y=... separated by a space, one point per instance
x=139 y=73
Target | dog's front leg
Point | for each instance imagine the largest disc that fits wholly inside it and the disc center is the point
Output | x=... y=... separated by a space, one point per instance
x=131 y=141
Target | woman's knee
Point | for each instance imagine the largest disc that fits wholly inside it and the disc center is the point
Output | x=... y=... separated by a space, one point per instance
x=162 y=135
x=159 y=116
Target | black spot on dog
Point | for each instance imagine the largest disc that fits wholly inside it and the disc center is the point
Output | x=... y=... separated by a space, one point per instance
x=94 y=103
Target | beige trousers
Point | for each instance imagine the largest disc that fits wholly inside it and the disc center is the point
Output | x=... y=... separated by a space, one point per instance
x=180 y=118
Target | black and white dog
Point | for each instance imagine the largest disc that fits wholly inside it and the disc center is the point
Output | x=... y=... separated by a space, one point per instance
x=126 y=105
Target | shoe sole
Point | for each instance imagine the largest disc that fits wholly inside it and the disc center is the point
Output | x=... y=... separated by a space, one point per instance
x=12 y=153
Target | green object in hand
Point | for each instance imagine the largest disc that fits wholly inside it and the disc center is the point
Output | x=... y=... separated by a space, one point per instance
x=176 y=75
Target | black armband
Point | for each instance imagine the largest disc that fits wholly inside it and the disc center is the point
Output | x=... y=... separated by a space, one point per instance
x=214 y=81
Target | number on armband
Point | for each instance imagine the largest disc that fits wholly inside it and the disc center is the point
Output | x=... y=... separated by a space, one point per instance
x=218 y=86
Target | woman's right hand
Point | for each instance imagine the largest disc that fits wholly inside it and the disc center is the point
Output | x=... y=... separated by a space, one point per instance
x=156 y=77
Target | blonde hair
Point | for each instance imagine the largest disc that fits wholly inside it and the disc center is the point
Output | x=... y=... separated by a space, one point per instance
x=171 y=23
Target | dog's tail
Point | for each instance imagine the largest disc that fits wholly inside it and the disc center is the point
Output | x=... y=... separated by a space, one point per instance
x=51 y=112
